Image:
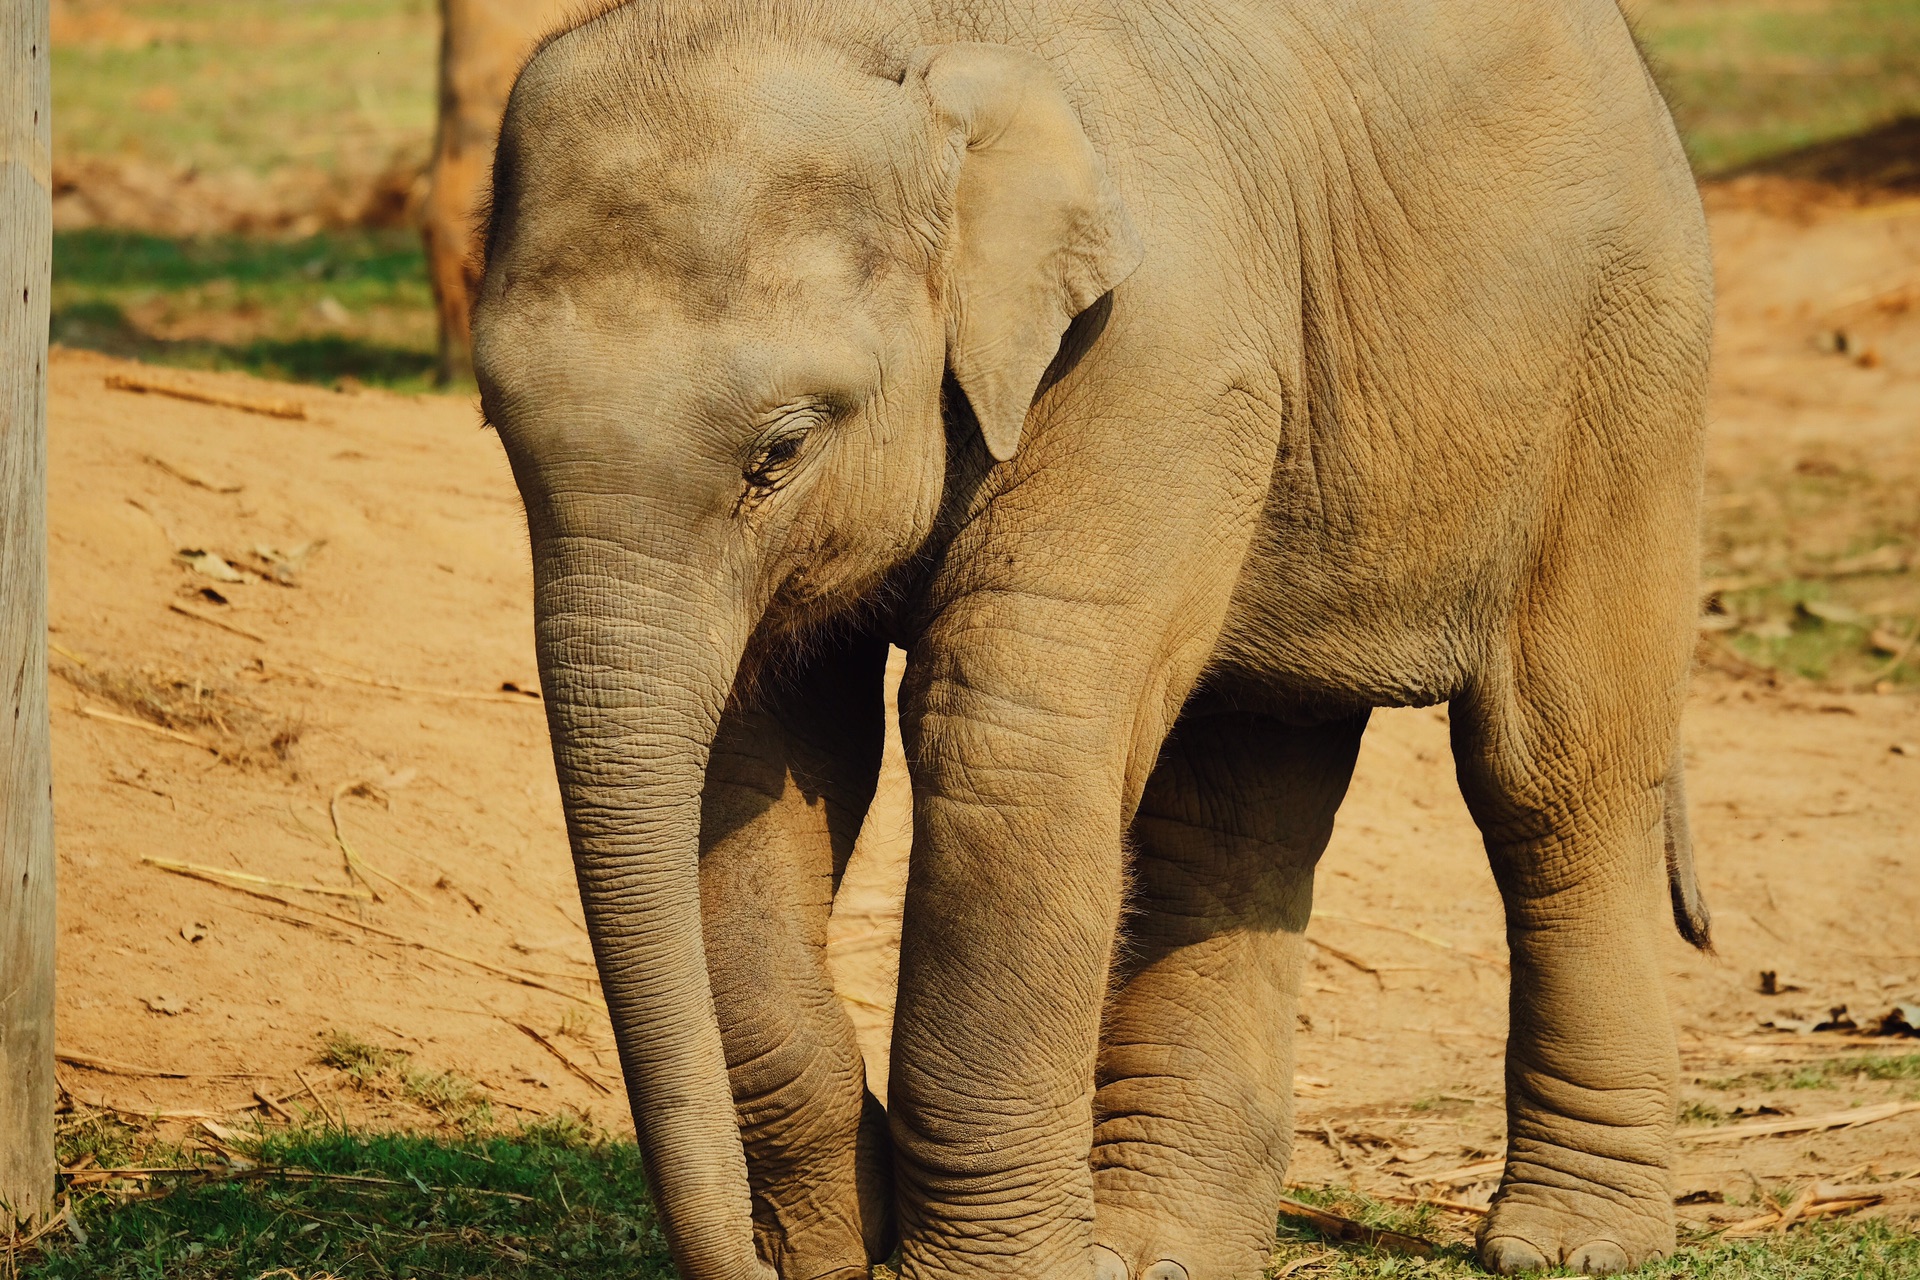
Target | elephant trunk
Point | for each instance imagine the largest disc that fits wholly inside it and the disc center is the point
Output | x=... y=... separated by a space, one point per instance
x=636 y=672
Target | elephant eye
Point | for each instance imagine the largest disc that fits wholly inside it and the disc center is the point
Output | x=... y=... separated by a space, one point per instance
x=771 y=459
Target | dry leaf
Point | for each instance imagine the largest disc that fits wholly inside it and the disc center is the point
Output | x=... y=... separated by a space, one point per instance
x=167 y=1004
x=208 y=564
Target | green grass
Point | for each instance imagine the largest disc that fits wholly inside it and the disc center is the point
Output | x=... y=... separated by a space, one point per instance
x=348 y=304
x=553 y=1201
x=1823 y=1074
x=560 y=1200
x=1870 y=1250
x=1749 y=79
x=245 y=84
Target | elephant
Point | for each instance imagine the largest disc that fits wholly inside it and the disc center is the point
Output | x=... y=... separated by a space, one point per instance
x=1174 y=382
x=482 y=44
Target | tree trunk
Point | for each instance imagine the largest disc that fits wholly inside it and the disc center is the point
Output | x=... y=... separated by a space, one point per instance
x=26 y=799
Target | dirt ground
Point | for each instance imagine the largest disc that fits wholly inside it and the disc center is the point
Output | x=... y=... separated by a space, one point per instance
x=341 y=673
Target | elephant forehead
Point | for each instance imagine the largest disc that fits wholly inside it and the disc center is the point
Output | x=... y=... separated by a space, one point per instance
x=736 y=170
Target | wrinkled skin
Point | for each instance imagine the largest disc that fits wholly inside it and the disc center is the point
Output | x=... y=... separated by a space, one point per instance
x=1383 y=386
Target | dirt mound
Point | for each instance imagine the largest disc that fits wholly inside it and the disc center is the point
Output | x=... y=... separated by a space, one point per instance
x=114 y=191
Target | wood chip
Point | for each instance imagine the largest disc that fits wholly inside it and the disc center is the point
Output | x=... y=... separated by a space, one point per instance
x=145 y=383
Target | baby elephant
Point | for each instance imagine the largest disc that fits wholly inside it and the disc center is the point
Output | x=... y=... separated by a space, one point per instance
x=1175 y=381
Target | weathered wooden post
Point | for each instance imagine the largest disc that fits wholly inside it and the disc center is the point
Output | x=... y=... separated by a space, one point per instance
x=26 y=798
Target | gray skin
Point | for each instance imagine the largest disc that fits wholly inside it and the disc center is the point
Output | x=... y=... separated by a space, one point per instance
x=1385 y=343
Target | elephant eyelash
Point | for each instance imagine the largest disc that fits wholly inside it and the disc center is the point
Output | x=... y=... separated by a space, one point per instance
x=778 y=447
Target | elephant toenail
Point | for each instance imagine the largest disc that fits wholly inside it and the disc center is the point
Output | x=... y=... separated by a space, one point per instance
x=1509 y=1256
x=1107 y=1264
x=1599 y=1258
x=1165 y=1269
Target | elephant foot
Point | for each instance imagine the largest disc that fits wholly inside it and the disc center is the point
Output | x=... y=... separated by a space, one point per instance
x=1108 y=1265
x=1534 y=1227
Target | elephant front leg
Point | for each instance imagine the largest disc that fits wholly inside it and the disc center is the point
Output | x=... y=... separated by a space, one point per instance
x=787 y=786
x=1194 y=1115
x=1013 y=895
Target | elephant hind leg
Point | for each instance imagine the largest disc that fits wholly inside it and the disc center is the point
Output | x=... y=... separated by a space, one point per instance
x=1194 y=1110
x=1690 y=914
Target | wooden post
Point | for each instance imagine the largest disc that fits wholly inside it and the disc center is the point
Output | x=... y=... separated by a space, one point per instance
x=26 y=796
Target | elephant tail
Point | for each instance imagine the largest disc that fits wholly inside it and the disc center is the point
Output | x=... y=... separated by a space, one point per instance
x=1690 y=915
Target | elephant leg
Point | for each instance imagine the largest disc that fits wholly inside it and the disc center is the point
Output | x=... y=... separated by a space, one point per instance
x=1194 y=1114
x=788 y=782
x=1564 y=760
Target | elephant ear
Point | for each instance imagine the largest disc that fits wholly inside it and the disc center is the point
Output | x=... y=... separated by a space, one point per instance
x=1037 y=232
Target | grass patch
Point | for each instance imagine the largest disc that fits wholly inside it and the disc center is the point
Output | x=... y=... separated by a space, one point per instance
x=1823 y=1074
x=347 y=305
x=1701 y=1113
x=1861 y=1250
x=560 y=1199
x=244 y=84
x=390 y=1073
x=1752 y=78
x=574 y=1205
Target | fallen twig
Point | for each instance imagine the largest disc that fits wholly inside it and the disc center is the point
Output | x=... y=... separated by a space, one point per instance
x=1453 y=1206
x=464 y=695
x=318 y=1101
x=145 y=383
x=355 y=863
x=559 y=1053
x=137 y=1113
x=235 y=879
x=187 y=475
x=1816 y=1200
x=525 y=980
x=272 y=1104
x=1416 y=935
x=1803 y=1124
x=1335 y=1227
x=1348 y=958
x=39 y=1233
x=112 y=1068
x=212 y=621
x=160 y=730
x=1479 y=1171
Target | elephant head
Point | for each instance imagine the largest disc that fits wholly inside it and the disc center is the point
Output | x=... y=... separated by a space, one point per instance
x=726 y=275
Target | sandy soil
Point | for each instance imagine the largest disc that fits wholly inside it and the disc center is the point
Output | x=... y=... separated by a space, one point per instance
x=381 y=607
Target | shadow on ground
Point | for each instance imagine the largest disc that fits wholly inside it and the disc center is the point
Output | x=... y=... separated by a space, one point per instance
x=341 y=306
x=1885 y=158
